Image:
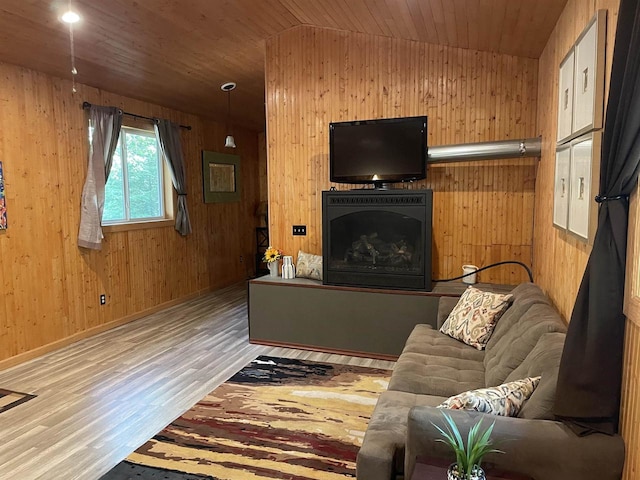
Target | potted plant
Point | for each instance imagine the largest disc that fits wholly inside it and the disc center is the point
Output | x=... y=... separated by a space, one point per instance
x=469 y=456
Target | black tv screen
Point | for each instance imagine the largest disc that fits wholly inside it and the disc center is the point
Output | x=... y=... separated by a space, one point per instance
x=378 y=151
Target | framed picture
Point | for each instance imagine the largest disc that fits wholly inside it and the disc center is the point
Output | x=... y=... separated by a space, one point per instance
x=561 y=187
x=220 y=177
x=588 y=79
x=577 y=177
x=584 y=178
x=565 y=96
x=581 y=82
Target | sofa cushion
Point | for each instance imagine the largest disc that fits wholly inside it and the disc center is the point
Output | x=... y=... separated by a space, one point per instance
x=543 y=360
x=505 y=354
x=436 y=375
x=385 y=437
x=474 y=317
x=523 y=296
x=505 y=400
x=309 y=266
x=424 y=339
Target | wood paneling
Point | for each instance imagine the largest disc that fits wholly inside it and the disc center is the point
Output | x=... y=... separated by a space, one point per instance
x=514 y=27
x=49 y=288
x=630 y=407
x=559 y=257
x=483 y=211
x=178 y=53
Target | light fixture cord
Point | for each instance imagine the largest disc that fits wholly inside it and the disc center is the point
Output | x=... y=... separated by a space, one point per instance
x=74 y=71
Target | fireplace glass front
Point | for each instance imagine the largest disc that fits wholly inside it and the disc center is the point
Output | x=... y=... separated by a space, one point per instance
x=377 y=239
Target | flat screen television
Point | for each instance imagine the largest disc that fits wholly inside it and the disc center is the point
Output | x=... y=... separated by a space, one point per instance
x=379 y=151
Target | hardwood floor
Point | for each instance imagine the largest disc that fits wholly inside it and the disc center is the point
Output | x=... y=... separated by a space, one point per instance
x=100 y=398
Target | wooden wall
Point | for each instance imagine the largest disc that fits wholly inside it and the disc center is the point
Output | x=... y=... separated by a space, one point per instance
x=483 y=212
x=49 y=288
x=559 y=259
x=630 y=407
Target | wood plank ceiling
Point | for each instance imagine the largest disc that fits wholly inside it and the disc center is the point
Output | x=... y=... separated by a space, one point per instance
x=177 y=53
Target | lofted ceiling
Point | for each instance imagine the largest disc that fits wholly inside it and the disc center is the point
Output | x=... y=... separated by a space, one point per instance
x=178 y=52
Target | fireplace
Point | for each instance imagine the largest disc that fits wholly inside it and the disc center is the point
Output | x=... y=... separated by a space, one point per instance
x=377 y=238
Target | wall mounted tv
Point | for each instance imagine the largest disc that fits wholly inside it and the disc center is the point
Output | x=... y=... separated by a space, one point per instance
x=378 y=151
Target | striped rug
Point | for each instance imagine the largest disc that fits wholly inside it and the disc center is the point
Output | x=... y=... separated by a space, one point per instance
x=277 y=418
x=10 y=399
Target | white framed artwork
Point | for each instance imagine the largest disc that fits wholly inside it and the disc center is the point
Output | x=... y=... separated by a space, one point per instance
x=581 y=80
x=561 y=187
x=583 y=186
x=589 y=76
x=565 y=97
x=576 y=184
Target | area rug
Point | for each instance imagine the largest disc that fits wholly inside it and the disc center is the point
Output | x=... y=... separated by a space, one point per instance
x=277 y=418
x=10 y=399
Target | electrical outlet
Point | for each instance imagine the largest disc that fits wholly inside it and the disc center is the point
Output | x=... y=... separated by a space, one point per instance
x=103 y=299
x=299 y=229
x=241 y=258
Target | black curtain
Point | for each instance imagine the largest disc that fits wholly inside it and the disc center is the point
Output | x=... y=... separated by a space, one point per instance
x=590 y=378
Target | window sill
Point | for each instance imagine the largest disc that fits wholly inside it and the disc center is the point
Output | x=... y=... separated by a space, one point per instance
x=124 y=227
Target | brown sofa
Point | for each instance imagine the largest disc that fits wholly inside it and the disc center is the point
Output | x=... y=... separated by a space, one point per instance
x=527 y=341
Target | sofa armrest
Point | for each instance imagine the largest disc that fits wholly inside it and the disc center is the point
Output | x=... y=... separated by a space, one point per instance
x=445 y=305
x=375 y=461
x=542 y=449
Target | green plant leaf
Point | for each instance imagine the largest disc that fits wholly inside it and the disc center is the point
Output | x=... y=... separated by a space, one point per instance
x=478 y=444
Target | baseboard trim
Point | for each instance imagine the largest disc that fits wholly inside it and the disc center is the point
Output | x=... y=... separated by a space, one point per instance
x=318 y=348
x=63 y=342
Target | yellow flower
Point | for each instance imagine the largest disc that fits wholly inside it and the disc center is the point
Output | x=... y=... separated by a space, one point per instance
x=271 y=255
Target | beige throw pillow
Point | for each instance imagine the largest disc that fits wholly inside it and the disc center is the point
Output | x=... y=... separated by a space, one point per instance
x=474 y=317
x=309 y=266
x=506 y=399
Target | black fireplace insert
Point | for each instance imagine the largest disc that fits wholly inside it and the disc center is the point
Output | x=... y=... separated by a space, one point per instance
x=377 y=238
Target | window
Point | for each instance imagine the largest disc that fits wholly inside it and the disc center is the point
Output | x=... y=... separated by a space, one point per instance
x=136 y=190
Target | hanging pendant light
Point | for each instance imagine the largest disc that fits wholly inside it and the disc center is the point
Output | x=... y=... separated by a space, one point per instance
x=230 y=142
x=227 y=87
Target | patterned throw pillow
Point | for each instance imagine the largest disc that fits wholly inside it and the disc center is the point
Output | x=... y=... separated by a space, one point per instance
x=506 y=399
x=474 y=317
x=309 y=266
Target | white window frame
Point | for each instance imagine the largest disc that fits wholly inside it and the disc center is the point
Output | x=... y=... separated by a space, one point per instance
x=167 y=197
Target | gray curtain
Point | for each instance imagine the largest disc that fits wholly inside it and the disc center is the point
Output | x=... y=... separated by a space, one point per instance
x=168 y=135
x=590 y=377
x=106 y=123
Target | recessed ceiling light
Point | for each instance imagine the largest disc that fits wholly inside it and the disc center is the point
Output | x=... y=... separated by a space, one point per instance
x=70 y=17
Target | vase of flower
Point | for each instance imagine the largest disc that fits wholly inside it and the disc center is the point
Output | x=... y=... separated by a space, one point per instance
x=272 y=258
x=273 y=268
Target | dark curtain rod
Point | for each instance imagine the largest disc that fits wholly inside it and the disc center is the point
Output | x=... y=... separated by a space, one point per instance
x=86 y=105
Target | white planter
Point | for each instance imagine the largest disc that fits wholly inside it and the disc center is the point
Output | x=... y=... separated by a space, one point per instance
x=476 y=473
